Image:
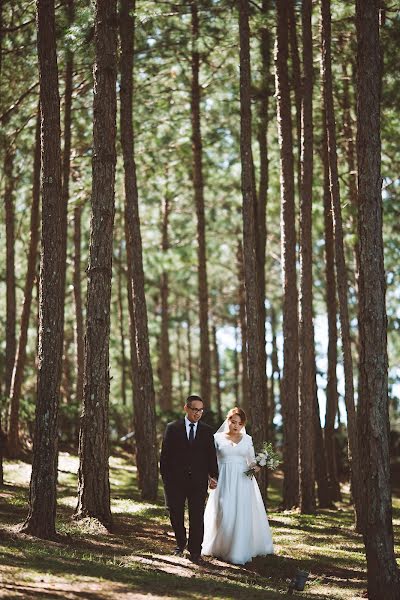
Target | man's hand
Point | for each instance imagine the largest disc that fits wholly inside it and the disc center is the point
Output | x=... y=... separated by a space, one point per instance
x=212 y=483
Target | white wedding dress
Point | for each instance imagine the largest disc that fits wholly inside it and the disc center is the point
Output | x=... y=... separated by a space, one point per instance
x=236 y=527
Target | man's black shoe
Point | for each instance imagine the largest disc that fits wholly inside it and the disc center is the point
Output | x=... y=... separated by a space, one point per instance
x=178 y=551
x=196 y=558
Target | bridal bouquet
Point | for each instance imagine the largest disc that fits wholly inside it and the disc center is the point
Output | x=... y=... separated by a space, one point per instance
x=267 y=457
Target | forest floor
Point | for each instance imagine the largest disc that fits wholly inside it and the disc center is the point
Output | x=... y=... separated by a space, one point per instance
x=135 y=560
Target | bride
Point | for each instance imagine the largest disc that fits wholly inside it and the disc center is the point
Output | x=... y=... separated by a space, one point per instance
x=236 y=527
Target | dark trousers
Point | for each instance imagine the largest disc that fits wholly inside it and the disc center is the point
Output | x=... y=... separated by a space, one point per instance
x=176 y=494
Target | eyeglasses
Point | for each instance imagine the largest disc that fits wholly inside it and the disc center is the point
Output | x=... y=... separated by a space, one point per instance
x=197 y=411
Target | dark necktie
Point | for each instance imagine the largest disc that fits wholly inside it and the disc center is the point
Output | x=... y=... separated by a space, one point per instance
x=191 y=433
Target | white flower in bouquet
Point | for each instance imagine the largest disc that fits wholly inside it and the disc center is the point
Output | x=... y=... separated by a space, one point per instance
x=266 y=458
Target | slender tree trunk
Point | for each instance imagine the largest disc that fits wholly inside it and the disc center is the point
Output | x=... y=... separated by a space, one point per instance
x=256 y=358
x=331 y=308
x=289 y=386
x=383 y=573
x=296 y=83
x=189 y=345
x=79 y=326
x=121 y=319
x=145 y=415
x=94 y=485
x=217 y=374
x=181 y=368
x=341 y=274
x=236 y=386
x=165 y=353
x=321 y=467
x=79 y=343
x=307 y=385
x=198 y=184
x=276 y=374
x=243 y=329
x=10 y=265
x=43 y=488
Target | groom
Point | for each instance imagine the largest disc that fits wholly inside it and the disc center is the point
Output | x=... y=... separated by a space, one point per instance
x=188 y=464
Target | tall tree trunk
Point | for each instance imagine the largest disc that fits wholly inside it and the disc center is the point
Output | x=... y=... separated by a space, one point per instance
x=289 y=386
x=217 y=374
x=165 y=353
x=145 y=415
x=121 y=324
x=331 y=309
x=296 y=84
x=10 y=265
x=198 y=184
x=189 y=346
x=383 y=573
x=94 y=485
x=79 y=343
x=256 y=358
x=276 y=374
x=243 y=329
x=43 y=487
x=307 y=383
x=79 y=326
x=341 y=274
x=321 y=467
x=261 y=207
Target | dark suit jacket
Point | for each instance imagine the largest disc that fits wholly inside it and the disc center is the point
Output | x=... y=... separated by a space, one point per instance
x=179 y=458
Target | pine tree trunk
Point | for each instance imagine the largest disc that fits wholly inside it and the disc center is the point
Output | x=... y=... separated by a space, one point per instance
x=321 y=467
x=43 y=487
x=243 y=329
x=198 y=185
x=79 y=326
x=290 y=378
x=341 y=274
x=331 y=309
x=145 y=415
x=94 y=485
x=20 y=357
x=296 y=82
x=217 y=374
x=256 y=358
x=189 y=346
x=10 y=265
x=307 y=384
x=121 y=324
x=276 y=374
x=383 y=573
x=165 y=353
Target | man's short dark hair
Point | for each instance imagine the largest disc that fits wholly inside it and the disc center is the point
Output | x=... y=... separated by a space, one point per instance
x=193 y=398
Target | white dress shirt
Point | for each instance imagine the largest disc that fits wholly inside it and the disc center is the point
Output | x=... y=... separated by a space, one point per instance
x=187 y=425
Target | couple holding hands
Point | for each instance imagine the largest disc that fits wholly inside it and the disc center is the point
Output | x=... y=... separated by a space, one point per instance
x=234 y=524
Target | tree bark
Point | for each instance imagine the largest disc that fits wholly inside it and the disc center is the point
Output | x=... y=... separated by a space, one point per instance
x=276 y=373
x=79 y=325
x=217 y=374
x=296 y=81
x=43 y=487
x=383 y=573
x=94 y=485
x=145 y=415
x=256 y=358
x=331 y=309
x=243 y=329
x=341 y=274
x=198 y=185
x=307 y=385
x=165 y=353
x=121 y=324
x=10 y=265
x=289 y=385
